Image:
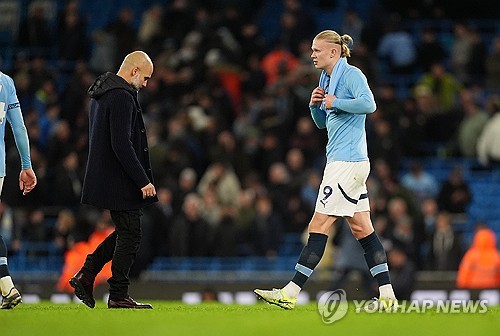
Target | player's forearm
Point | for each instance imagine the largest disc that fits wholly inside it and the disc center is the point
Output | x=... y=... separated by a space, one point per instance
x=318 y=116
x=22 y=143
x=361 y=105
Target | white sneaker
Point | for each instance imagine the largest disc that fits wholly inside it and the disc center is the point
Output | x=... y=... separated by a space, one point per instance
x=11 y=300
x=276 y=297
x=380 y=304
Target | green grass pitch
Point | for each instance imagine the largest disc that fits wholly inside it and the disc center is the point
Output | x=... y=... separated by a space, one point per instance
x=175 y=318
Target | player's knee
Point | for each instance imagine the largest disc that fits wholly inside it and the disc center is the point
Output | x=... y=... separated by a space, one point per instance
x=321 y=224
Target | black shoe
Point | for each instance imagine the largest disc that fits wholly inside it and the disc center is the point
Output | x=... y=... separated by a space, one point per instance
x=84 y=288
x=128 y=302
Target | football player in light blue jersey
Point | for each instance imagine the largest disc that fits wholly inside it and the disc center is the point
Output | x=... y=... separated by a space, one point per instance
x=10 y=111
x=340 y=104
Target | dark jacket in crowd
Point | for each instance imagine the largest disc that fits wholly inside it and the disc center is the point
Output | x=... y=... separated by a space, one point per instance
x=118 y=163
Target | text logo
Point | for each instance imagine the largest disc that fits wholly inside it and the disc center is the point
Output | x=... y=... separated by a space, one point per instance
x=332 y=306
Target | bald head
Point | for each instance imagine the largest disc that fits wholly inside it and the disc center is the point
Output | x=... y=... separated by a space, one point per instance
x=136 y=69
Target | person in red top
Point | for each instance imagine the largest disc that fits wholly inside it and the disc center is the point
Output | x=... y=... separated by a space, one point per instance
x=480 y=266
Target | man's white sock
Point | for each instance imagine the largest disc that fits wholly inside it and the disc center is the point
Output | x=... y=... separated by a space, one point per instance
x=387 y=291
x=6 y=285
x=291 y=290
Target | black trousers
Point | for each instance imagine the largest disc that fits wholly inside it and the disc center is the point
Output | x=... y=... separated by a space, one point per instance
x=120 y=247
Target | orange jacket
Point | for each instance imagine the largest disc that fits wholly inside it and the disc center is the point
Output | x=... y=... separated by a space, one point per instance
x=480 y=266
x=75 y=258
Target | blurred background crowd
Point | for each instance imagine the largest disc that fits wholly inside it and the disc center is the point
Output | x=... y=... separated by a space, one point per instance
x=236 y=157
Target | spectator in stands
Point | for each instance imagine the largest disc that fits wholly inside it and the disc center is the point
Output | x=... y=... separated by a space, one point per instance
x=471 y=126
x=401 y=225
x=185 y=185
x=296 y=166
x=277 y=63
x=389 y=106
x=226 y=235
x=430 y=210
x=297 y=213
x=251 y=41
x=454 y=195
x=279 y=185
x=158 y=151
x=150 y=34
x=480 y=266
x=305 y=23
x=60 y=143
x=73 y=98
x=44 y=96
x=155 y=232
x=267 y=229
x=438 y=124
x=492 y=65
x=161 y=215
x=245 y=217
x=411 y=128
x=67 y=184
x=352 y=24
x=64 y=231
x=211 y=208
x=47 y=122
x=190 y=235
x=72 y=38
x=384 y=143
x=427 y=107
x=124 y=33
x=291 y=34
x=221 y=177
x=442 y=85
x=477 y=57
x=488 y=151
x=429 y=50
x=177 y=21
x=270 y=150
x=102 y=56
x=422 y=184
x=460 y=51
x=445 y=250
x=306 y=139
x=253 y=78
x=36 y=230
x=309 y=189
x=35 y=29
x=227 y=149
x=397 y=49
x=403 y=272
x=10 y=112
x=366 y=61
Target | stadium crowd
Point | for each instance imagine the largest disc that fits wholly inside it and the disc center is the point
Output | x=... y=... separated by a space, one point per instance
x=236 y=158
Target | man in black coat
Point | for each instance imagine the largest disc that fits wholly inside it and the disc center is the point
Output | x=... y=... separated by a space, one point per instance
x=118 y=176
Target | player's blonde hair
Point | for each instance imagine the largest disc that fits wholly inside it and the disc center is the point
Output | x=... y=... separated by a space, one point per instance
x=334 y=37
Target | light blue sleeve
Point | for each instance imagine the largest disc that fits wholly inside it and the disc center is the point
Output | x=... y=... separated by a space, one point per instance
x=319 y=116
x=15 y=118
x=363 y=101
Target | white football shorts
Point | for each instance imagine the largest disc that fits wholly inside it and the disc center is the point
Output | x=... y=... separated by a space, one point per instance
x=343 y=189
